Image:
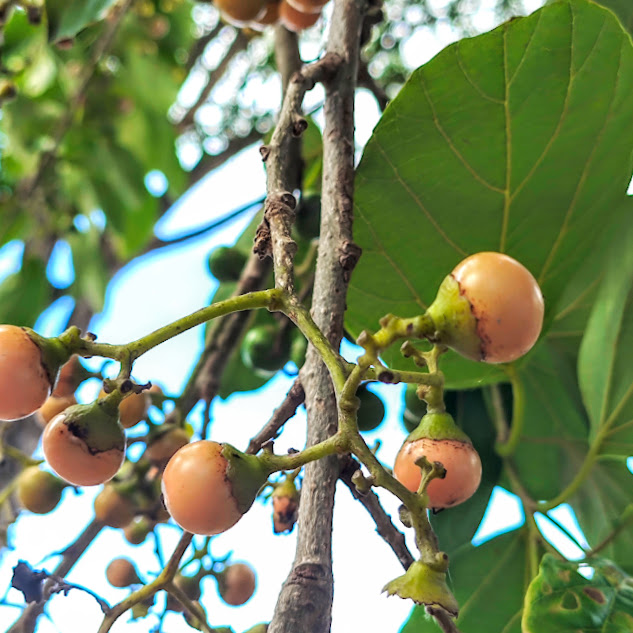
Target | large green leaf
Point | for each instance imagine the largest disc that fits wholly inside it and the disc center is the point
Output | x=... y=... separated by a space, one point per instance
x=604 y=367
x=67 y=17
x=91 y=272
x=623 y=9
x=554 y=425
x=24 y=294
x=518 y=140
x=458 y=525
x=561 y=600
x=489 y=582
x=603 y=507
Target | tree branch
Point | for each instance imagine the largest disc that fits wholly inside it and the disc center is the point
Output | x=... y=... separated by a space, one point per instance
x=280 y=203
x=280 y=416
x=28 y=619
x=239 y=44
x=392 y=536
x=305 y=601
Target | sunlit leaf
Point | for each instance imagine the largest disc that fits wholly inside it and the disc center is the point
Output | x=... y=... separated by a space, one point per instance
x=518 y=140
x=91 y=272
x=67 y=17
x=555 y=425
x=24 y=294
x=604 y=366
x=561 y=600
x=604 y=509
x=623 y=9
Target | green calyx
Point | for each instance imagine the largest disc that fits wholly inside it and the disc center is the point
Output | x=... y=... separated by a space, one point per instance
x=97 y=424
x=425 y=584
x=438 y=426
x=246 y=474
x=54 y=353
x=455 y=324
x=286 y=488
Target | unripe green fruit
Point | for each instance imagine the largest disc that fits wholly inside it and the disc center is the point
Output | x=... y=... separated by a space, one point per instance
x=38 y=490
x=410 y=420
x=412 y=403
x=265 y=350
x=308 y=219
x=371 y=411
x=226 y=263
x=137 y=530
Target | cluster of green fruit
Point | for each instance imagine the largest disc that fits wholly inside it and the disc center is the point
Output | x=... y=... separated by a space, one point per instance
x=295 y=15
x=490 y=308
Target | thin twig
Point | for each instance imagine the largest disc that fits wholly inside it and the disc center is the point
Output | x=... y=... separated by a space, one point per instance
x=444 y=620
x=280 y=203
x=389 y=532
x=365 y=80
x=239 y=44
x=28 y=619
x=280 y=416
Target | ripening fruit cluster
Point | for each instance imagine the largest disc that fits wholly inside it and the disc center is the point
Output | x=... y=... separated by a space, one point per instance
x=490 y=308
x=295 y=15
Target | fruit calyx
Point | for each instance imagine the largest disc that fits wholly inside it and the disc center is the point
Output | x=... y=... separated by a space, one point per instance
x=425 y=583
x=53 y=352
x=246 y=474
x=455 y=323
x=97 y=425
x=438 y=426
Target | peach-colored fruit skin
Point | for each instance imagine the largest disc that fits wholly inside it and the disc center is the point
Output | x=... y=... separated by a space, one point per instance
x=308 y=6
x=268 y=17
x=24 y=385
x=69 y=457
x=462 y=464
x=65 y=385
x=240 y=10
x=507 y=302
x=121 y=573
x=113 y=509
x=196 y=490
x=239 y=584
x=161 y=450
x=295 y=20
x=53 y=406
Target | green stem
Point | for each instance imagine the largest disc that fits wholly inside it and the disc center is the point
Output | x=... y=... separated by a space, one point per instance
x=507 y=448
x=129 y=352
x=275 y=463
x=625 y=519
x=578 y=480
x=300 y=316
x=193 y=609
x=145 y=592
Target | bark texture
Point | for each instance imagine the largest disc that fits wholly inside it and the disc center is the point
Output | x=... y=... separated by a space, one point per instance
x=305 y=601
